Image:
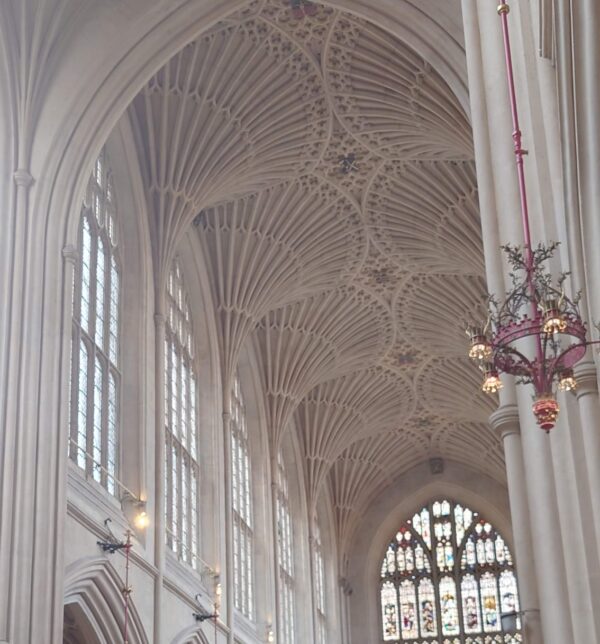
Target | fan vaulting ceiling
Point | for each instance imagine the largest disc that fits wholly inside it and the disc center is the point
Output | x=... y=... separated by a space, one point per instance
x=329 y=172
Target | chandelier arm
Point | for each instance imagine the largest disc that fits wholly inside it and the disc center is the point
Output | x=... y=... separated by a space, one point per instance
x=513 y=352
x=572 y=347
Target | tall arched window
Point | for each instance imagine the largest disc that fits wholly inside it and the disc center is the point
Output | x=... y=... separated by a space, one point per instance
x=242 y=505
x=285 y=557
x=448 y=576
x=319 y=572
x=95 y=370
x=182 y=471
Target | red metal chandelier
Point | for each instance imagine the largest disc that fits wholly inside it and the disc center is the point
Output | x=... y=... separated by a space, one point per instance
x=536 y=333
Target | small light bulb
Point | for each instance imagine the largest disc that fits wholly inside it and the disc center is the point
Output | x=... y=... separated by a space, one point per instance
x=142 y=520
x=218 y=590
x=567 y=381
x=491 y=382
x=480 y=348
x=553 y=318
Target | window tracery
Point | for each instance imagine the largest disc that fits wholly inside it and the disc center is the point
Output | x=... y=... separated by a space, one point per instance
x=243 y=556
x=182 y=471
x=447 y=576
x=95 y=369
x=285 y=557
x=319 y=573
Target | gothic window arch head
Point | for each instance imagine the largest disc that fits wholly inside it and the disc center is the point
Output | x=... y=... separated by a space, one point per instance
x=182 y=470
x=96 y=330
x=448 y=576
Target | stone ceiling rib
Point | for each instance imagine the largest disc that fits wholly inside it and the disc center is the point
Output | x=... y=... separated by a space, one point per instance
x=434 y=311
x=317 y=339
x=452 y=387
x=364 y=469
x=424 y=215
x=389 y=97
x=350 y=407
x=274 y=247
x=237 y=110
x=329 y=172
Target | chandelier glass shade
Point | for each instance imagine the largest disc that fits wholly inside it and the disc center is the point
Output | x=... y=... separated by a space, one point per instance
x=536 y=332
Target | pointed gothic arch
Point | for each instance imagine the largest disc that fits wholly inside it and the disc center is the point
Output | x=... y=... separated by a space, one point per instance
x=93 y=597
x=191 y=635
x=448 y=575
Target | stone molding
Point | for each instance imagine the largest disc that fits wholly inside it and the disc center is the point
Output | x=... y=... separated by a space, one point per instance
x=587 y=379
x=23 y=178
x=505 y=421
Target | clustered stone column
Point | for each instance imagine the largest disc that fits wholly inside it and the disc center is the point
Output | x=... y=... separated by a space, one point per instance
x=553 y=481
x=505 y=422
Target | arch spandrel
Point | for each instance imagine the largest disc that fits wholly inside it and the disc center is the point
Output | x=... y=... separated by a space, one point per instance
x=405 y=111
x=435 y=310
x=424 y=215
x=452 y=388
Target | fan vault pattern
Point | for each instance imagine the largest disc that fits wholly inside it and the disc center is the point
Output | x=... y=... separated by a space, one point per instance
x=329 y=172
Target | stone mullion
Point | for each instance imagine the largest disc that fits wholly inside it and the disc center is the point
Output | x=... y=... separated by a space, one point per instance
x=91 y=331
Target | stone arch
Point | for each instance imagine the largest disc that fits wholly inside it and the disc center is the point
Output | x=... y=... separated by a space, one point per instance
x=93 y=593
x=155 y=43
x=191 y=635
x=412 y=490
x=79 y=625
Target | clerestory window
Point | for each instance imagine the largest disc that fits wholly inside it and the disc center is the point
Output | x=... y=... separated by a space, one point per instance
x=96 y=331
x=182 y=472
x=243 y=553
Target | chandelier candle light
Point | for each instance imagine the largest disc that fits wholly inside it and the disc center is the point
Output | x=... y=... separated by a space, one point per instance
x=536 y=333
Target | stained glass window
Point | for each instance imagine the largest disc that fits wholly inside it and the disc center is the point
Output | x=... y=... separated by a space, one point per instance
x=285 y=557
x=243 y=554
x=447 y=576
x=181 y=449
x=95 y=368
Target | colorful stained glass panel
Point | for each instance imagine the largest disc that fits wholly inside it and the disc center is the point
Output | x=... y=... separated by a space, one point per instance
x=389 y=612
x=408 y=610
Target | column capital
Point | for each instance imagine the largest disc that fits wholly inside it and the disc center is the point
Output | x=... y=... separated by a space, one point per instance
x=587 y=379
x=23 y=177
x=70 y=254
x=505 y=421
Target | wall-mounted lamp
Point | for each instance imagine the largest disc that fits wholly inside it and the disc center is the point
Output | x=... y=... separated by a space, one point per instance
x=270 y=634
x=112 y=544
x=141 y=520
x=201 y=615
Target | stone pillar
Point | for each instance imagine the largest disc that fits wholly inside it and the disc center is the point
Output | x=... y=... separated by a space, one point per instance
x=544 y=514
x=159 y=468
x=589 y=410
x=505 y=423
x=34 y=353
